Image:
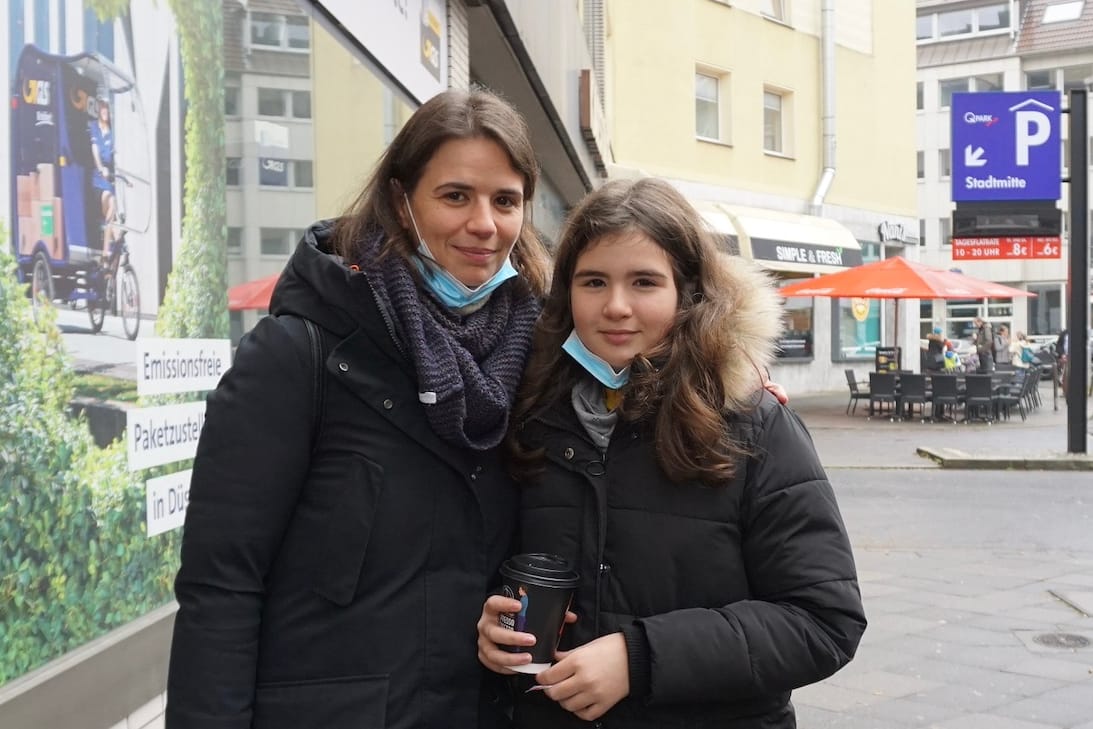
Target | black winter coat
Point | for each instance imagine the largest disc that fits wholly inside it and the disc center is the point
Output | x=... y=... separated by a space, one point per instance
x=728 y=597
x=340 y=588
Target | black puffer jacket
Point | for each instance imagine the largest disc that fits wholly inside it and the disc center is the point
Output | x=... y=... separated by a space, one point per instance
x=728 y=597
x=336 y=589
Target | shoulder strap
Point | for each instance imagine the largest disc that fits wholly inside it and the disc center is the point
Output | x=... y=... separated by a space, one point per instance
x=318 y=374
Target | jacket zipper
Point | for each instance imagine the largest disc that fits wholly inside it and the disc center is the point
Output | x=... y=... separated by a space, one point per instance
x=386 y=317
x=601 y=537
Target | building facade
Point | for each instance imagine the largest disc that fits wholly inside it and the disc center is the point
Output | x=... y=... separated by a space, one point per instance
x=801 y=158
x=981 y=46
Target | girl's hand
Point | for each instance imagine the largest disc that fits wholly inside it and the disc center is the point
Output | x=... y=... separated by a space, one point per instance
x=492 y=636
x=591 y=679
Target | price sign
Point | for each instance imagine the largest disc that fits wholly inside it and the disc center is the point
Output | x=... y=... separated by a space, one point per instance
x=1007 y=248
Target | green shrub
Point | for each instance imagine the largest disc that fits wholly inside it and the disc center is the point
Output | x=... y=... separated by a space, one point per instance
x=74 y=558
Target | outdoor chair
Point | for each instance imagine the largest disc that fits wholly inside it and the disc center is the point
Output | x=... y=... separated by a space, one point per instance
x=978 y=399
x=945 y=397
x=912 y=391
x=1012 y=394
x=856 y=393
x=882 y=389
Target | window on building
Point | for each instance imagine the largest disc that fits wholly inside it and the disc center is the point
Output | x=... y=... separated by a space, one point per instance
x=855 y=323
x=919 y=94
x=271 y=102
x=275 y=241
x=297 y=32
x=773 y=122
x=1039 y=80
x=1074 y=76
x=797 y=336
x=302 y=175
x=922 y=231
x=265 y=29
x=949 y=86
x=946 y=237
x=774 y=9
x=235 y=240
x=1060 y=12
x=920 y=161
x=707 y=106
x=954 y=22
x=301 y=104
x=987 y=82
x=234 y=165
x=924 y=27
x=231 y=101
x=268 y=30
x=992 y=17
x=944 y=163
x=989 y=19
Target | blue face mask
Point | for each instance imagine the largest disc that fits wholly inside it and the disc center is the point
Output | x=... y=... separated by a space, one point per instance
x=595 y=365
x=452 y=292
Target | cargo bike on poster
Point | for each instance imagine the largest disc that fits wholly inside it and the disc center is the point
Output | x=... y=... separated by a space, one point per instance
x=69 y=190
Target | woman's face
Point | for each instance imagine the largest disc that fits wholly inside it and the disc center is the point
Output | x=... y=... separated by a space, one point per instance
x=623 y=296
x=469 y=208
x=104 y=111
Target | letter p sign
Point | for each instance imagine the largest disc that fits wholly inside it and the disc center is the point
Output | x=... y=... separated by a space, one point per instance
x=1033 y=129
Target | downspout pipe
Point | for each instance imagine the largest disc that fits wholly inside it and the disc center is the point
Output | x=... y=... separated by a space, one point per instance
x=827 y=84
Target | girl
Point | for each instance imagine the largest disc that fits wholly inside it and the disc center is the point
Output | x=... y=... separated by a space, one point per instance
x=717 y=574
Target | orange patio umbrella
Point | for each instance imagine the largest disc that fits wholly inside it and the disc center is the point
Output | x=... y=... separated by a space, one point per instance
x=898 y=278
x=252 y=294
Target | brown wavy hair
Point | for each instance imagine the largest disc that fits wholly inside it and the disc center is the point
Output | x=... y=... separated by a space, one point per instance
x=452 y=114
x=678 y=386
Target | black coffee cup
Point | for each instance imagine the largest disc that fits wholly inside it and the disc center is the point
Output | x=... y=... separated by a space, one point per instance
x=544 y=584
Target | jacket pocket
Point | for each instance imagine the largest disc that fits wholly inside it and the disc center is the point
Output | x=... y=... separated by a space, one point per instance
x=348 y=527
x=359 y=702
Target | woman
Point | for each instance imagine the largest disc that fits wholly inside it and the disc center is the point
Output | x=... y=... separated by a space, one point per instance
x=101 y=131
x=335 y=558
x=935 y=350
x=1020 y=351
x=717 y=574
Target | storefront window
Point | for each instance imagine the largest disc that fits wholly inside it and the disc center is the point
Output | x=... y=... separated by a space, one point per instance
x=855 y=330
x=796 y=342
x=1045 y=310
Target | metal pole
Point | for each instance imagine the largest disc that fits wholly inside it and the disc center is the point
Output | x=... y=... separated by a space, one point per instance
x=1078 y=363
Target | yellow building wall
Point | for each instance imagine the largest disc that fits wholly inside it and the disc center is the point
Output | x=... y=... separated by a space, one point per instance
x=652 y=55
x=348 y=112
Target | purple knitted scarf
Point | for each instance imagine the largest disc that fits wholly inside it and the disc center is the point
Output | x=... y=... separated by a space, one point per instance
x=468 y=367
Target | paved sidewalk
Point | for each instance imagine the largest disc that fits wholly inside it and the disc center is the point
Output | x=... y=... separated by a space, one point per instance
x=978 y=585
x=858 y=441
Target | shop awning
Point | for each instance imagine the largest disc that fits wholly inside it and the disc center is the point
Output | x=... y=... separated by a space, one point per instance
x=784 y=241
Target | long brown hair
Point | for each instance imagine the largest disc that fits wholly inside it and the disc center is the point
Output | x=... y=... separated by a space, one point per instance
x=452 y=114
x=680 y=384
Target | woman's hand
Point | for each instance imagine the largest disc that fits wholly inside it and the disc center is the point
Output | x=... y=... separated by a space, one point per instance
x=591 y=679
x=492 y=636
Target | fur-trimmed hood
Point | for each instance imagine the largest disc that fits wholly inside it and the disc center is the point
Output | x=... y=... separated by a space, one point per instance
x=755 y=326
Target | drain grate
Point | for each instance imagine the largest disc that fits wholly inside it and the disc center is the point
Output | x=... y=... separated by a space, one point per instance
x=1062 y=640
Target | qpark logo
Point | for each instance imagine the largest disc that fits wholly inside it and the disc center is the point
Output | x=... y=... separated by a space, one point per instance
x=987 y=120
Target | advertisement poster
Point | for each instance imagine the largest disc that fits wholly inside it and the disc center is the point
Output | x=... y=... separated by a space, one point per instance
x=160 y=160
x=113 y=218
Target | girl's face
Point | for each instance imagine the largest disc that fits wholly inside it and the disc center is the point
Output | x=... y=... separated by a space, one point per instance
x=469 y=208
x=623 y=296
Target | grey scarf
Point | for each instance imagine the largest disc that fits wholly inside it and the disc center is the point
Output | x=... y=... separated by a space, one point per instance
x=468 y=365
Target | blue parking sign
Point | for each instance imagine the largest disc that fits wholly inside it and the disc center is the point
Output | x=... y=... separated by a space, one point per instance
x=1006 y=146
